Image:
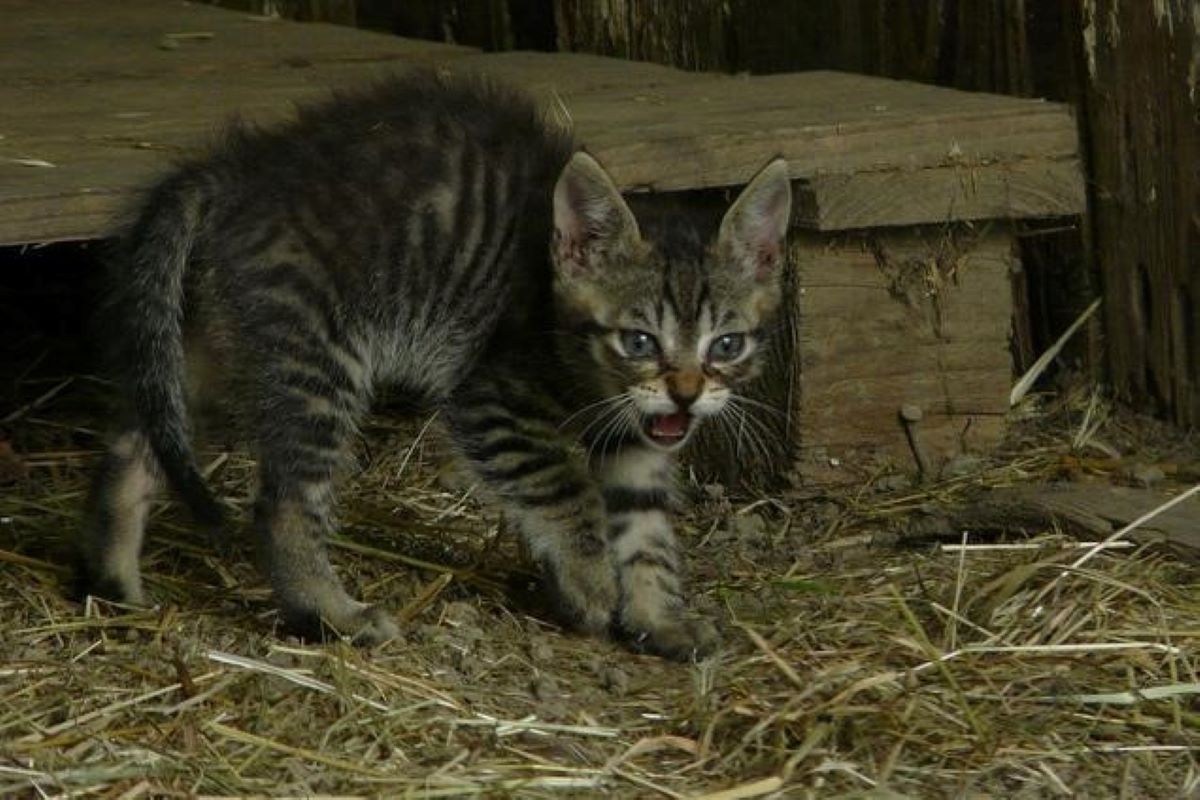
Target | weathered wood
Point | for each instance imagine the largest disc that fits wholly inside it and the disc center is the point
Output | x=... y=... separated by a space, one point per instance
x=716 y=131
x=111 y=107
x=562 y=78
x=682 y=33
x=894 y=318
x=1092 y=510
x=1009 y=46
x=1099 y=509
x=1143 y=109
x=105 y=146
x=1013 y=190
x=51 y=44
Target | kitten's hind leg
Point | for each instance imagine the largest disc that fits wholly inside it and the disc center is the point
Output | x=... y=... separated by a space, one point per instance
x=546 y=488
x=292 y=527
x=115 y=521
x=299 y=459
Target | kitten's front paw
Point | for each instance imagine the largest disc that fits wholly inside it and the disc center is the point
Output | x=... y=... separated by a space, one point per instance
x=373 y=626
x=677 y=638
x=586 y=594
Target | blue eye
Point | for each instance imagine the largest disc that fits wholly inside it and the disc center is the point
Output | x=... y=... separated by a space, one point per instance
x=727 y=347
x=638 y=344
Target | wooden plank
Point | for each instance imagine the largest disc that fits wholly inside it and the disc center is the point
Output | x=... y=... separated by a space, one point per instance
x=1007 y=190
x=716 y=132
x=1096 y=508
x=567 y=75
x=887 y=319
x=44 y=44
x=104 y=148
x=97 y=96
x=1092 y=510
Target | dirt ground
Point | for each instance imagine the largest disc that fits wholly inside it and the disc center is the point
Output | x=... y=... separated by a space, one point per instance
x=859 y=660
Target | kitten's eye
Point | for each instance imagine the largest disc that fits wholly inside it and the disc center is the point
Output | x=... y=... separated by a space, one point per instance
x=638 y=344
x=727 y=347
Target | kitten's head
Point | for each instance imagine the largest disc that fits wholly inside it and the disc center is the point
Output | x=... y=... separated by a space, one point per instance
x=672 y=330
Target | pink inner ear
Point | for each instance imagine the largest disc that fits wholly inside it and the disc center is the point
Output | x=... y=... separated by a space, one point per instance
x=570 y=226
x=767 y=260
x=763 y=242
x=754 y=229
x=569 y=250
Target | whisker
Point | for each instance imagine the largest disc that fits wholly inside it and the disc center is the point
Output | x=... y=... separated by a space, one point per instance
x=604 y=420
x=755 y=431
x=614 y=416
x=725 y=426
x=604 y=401
x=745 y=405
x=757 y=404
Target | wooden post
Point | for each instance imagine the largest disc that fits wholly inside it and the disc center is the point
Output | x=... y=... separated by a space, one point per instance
x=1143 y=61
x=682 y=33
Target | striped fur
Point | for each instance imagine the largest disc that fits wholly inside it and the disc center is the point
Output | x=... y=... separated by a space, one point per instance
x=433 y=234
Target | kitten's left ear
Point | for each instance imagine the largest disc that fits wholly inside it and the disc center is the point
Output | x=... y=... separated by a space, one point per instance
x=753 y=229
x=591 y=220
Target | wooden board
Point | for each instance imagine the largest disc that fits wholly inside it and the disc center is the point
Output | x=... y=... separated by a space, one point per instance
x=1000 y=190
x=101 y=98
x=94 y=104
x=717 y=132
x=894 y=318
x=48 y=43
x=1096 y=508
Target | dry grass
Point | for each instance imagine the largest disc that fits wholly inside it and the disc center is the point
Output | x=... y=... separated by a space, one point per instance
x=849 y=669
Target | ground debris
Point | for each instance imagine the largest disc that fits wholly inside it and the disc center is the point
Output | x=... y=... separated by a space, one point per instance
x=853 y=664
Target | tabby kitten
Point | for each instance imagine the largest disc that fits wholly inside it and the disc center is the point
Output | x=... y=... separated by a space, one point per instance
x=436 y=234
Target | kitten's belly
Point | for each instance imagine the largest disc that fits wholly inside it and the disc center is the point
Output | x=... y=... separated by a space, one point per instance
x=432 y=363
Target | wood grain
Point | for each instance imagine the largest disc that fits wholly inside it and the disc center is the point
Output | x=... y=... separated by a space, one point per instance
x=1144 y=114
x=103 y=99
x=1007 y=190
x=1099 y=509
x=889 y=318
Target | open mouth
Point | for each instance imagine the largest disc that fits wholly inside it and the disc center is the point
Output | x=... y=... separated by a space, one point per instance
x=668 y=430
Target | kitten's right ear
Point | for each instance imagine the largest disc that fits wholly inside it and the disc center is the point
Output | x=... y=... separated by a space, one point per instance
x=591 y=220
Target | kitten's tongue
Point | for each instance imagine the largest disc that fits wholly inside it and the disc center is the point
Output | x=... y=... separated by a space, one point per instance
x=670 y=426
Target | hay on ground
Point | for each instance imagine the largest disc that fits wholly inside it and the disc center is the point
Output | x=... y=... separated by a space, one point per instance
x=850 y=668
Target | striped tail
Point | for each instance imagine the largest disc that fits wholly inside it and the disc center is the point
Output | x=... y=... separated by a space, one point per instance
x=146 y=311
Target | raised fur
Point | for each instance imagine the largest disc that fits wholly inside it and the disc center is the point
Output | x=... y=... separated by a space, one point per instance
x=435 y=234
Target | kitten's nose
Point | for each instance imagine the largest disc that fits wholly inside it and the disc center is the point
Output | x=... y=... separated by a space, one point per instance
x=684 y=388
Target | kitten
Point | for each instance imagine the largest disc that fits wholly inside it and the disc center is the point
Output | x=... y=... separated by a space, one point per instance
x=438 y=235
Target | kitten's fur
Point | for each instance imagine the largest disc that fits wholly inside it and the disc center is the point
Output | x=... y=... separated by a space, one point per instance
x=435 y=234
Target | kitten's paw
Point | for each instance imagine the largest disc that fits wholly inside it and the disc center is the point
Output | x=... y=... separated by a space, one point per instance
x=374 y=626
x=124 y=589
x=586 y=594
x=364 y=625
x=677 y=638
